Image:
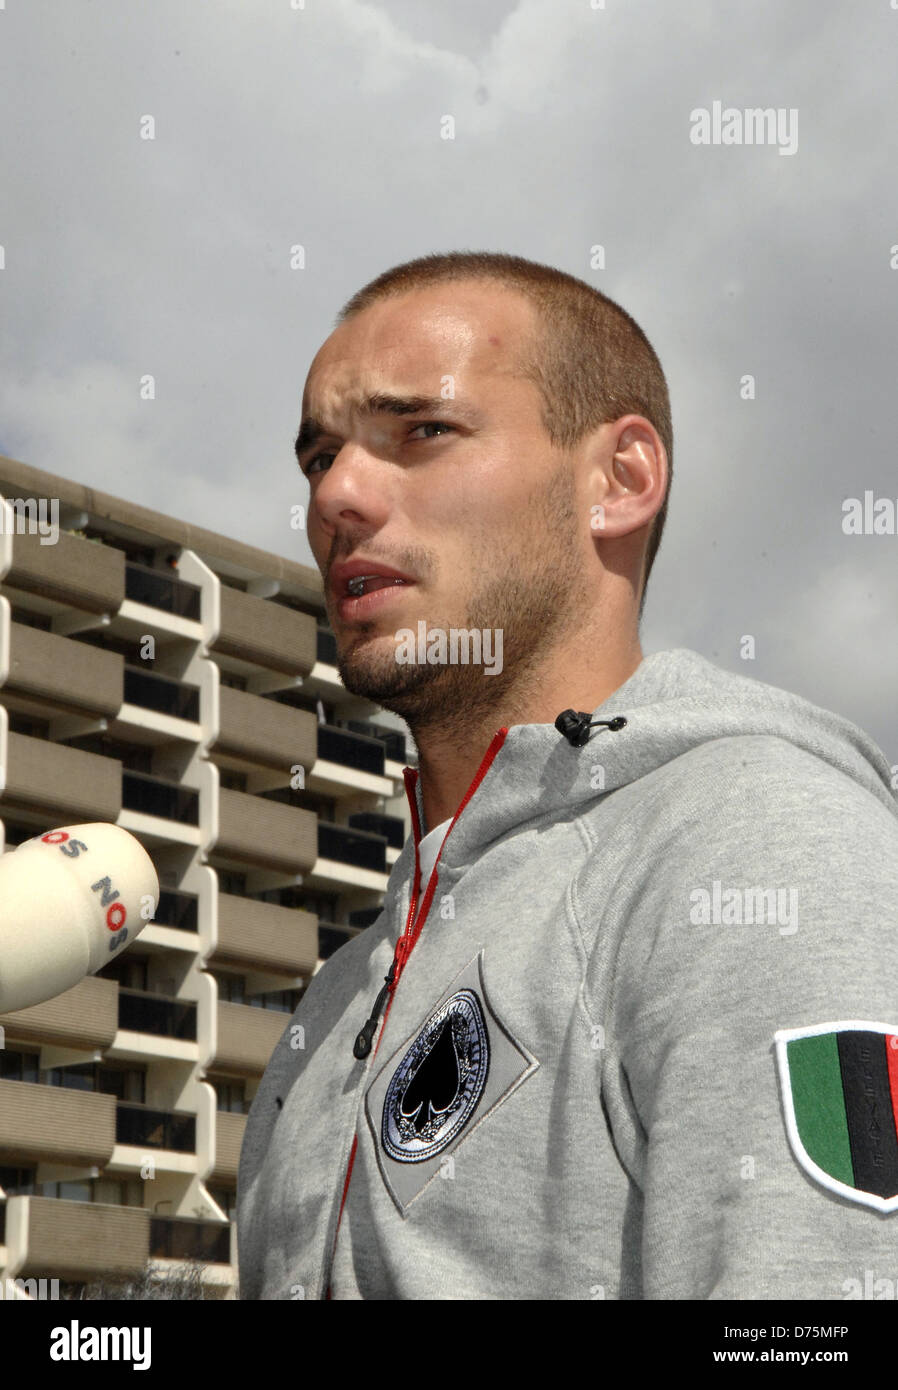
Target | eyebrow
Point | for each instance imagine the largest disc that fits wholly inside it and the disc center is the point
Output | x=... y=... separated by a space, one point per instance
x=311 y=431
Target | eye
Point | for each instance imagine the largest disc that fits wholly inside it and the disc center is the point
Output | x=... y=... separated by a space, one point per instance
x=432 y=425
x=310 y=470
x=307 y=471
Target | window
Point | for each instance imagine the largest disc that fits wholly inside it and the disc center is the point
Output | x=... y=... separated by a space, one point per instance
x=34 y=728
x=115 y=1192
x=285 y=1001
x=137 y=554
x=231 y=1096
x=19 y=1066
x=232 y=990
x=286 y=897
x=293 y=697
x=132 y=758
x=67 y=1191
x=78 y=1078
x=232 y=781
x=130 y=971
x=324 y=905
x=229 y=882
x=125 y=1083
x=101 y=638
x=226 y=1199
x=230 y=987
x=17 y=1182
x=17 y=834
x=109 y=1190
x=325 y=807
x=29 y=619
x=136 y=760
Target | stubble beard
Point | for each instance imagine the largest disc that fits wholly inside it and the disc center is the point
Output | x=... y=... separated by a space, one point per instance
x=532 y=591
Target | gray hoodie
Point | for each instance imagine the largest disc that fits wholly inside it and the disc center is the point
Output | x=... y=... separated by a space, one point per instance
x=641 y=1036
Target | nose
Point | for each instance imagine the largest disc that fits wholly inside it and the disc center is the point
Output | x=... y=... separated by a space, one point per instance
x=352 y=488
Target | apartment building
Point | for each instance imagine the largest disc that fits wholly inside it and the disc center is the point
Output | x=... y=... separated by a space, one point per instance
x=182 y=685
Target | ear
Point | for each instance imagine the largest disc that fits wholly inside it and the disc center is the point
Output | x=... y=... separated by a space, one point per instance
x=632 y=477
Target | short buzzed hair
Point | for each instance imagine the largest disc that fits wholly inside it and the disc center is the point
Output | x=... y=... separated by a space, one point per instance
x=591 y=362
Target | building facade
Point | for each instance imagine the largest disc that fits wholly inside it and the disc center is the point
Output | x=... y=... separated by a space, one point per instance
x=182 y=685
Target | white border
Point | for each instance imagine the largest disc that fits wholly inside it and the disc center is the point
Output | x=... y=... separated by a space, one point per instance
x=787 y=1035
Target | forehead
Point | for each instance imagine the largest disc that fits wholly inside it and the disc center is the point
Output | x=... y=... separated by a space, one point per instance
x=472 y=331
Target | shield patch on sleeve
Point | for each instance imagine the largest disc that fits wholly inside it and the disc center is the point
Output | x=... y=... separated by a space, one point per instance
x=840 y=1096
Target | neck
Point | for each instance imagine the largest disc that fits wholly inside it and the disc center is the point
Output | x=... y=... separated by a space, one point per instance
x=451 y=749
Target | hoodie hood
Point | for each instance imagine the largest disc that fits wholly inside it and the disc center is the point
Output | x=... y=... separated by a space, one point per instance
x=674 y=701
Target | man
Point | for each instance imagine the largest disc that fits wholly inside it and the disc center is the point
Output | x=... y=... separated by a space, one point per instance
x=627 y=1025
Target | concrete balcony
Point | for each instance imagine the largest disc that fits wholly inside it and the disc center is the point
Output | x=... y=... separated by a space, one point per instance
x=265 y=937
x=258 y=632
x=76 y=1240
x=84 y=1017
x=264 y=834
x=73 y=573
x=246 y=1038
x=263 y=733
x=55 y=1124
x=57 y=675
x=58 y=784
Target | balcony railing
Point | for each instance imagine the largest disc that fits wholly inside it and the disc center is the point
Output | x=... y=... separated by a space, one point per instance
x=177 y=910
x=159 y=693
x=393 y=827
x=326 y=647
x=355 y=847
x=392 y=739
x=155 y=1129
x=141 y=1011
x=158 y=590
x=351 y=750
x=154 y=797
x=180 y=1238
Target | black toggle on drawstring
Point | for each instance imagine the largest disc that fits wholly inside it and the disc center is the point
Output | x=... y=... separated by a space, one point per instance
x=575 y=726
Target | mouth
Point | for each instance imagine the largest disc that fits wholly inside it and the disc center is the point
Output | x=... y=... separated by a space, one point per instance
x=362 y=587
x=361 y=584
x=365 y=594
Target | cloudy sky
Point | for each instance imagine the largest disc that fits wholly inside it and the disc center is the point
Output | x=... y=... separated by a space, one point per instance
x=319 y=124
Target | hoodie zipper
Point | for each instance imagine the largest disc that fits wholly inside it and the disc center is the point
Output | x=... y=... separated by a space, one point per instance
x=406 y=943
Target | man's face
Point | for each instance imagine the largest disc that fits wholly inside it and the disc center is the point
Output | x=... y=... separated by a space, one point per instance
x=470 y=500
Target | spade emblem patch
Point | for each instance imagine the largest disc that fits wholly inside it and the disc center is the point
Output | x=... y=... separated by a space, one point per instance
x=440 y=1087
x=437 y=1085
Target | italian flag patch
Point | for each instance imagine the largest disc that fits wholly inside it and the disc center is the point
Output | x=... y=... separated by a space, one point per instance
x=840 y=1096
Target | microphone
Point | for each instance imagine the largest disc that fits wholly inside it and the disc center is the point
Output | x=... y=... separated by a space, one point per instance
x=70 y=900
x=575 y=725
